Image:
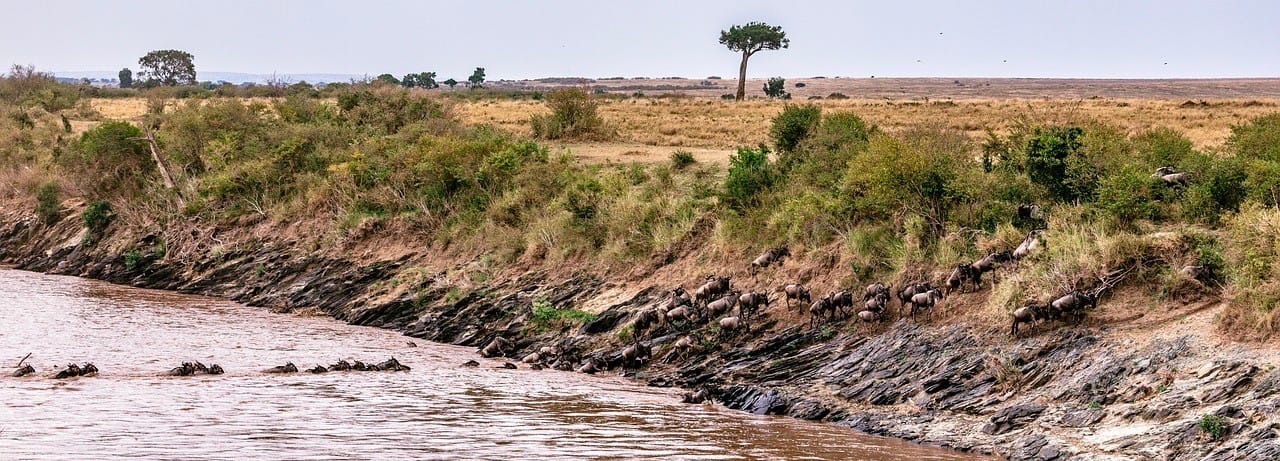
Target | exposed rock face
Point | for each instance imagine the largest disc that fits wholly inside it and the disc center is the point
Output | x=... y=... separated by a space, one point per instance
x=1073 y=393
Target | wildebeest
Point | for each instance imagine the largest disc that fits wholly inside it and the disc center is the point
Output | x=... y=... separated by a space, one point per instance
x=680 y=348
x=498 y=347
x=926 y=300
x=317 y=369
x=1029 y=243
x=722 y=306
x=771 y=256
x=963 y=273
x=749 y=303
x=797 y=292
x=288 y=367
x=912 y=289
x=590 y=365
x=644 y=323
x=874 y=289
x=841 y=302
x=73 y=370
x=683 y=313
x=988 y=264
x=698 y=396
x=729 y=326
x=715 y=286
x=1029 y=211
x=635 y=355
x=342 y=365
x=874 y=308
x=679 y=297
x=1031 y=313
x=1073 y=304
x=23 y=371
x=391 y=365
x=1171 y=177
x=192 y=368
x=819 y=309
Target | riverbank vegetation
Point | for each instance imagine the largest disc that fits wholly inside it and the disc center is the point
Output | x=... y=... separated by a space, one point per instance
x=854 y=200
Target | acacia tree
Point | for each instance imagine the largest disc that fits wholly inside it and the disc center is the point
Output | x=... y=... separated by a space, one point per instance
x=168 y=68
x=748 y=39
x=451 y=82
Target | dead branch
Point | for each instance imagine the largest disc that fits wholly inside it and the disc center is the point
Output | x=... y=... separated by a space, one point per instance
x=165 y=173
x=24 y=359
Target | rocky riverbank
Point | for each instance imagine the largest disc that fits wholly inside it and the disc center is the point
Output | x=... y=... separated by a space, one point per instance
x=1174 y=392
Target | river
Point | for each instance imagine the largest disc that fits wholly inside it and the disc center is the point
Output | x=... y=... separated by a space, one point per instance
x=438 y=410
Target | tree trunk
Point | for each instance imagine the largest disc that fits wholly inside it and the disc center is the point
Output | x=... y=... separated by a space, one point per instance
x=165 y=173
x=742 y=77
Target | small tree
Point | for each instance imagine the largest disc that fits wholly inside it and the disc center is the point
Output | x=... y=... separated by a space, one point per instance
x=420 y=80
x=126 y=78
x=388 y=78
x=477 y=78
x=451 y=82
x=750 y=174
x=168 y=68
x=749 y=39
x=776 y=88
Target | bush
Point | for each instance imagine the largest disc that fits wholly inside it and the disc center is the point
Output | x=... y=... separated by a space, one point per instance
x=919 y=173
x=1258 y=139
x=1053 y=162
x=97 y=216
x=681 y=159
x=1127 y=194
x=1213 y=425
x=573 y=116
x=388 y=108
x=793 y=125
x=1160 y=147
x=48 y=206
x=776 y=87
x=837 y=95
x=750 y=174
x=838 y=130
x=547 y=316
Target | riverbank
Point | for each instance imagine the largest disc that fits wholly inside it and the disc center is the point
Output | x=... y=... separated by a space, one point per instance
x=1165 y=389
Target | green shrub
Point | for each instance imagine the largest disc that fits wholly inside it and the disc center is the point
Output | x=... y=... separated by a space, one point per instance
x=750 y=174
x=1127 y=194
x=776 y=87
x=1160 y=147
x=134 y=259
x=1258 y=139
x=1213 y=425
x=919 y=173
x=1053 y=162
x=547 y=316
x=793 y=125
x=837 y=130
x=681 y=159
x=48 y=205
x=574 y=115
x=97 y=216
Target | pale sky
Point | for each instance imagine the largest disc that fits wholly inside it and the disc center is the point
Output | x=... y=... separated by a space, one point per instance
x=528 y=39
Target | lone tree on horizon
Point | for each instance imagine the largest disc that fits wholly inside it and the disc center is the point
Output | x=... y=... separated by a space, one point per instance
x=167 y=68
x=748 y=39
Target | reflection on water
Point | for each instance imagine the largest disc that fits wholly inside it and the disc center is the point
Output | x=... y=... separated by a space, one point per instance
x=437 y=410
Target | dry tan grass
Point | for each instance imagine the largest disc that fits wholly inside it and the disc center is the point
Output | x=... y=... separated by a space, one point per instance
x=724 y=125
x=649 y=129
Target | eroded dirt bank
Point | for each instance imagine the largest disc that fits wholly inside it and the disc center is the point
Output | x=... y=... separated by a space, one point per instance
x=1170 y=391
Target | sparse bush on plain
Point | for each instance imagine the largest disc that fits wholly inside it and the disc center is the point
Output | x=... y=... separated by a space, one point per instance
x=681 y=159
x=574 y=115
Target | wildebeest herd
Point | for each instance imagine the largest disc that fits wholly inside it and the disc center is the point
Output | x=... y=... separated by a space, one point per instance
x=197 y=368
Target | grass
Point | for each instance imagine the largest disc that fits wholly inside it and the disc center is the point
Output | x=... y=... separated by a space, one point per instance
x=548 y=317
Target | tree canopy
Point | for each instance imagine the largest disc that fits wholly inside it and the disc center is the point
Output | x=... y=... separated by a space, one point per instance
x=477 y=78
x=168 y=68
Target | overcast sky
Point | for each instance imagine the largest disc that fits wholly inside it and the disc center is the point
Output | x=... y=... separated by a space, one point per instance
x=529 y=39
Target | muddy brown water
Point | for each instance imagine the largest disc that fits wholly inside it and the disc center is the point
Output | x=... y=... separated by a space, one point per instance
x=439 y=410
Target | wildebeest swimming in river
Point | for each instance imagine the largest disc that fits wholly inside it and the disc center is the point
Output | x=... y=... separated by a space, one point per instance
x=73 y=370
x=23 y=371
x=193 y=368
x=286 y=368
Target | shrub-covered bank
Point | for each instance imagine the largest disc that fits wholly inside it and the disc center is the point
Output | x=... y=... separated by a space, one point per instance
x=381 y=208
